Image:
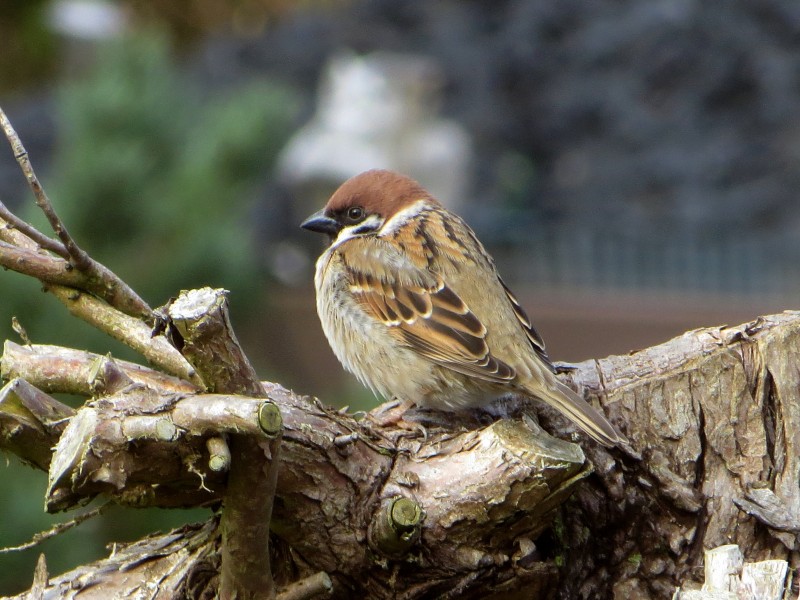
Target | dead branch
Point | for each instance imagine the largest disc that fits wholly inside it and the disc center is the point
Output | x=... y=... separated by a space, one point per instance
x=200 y=327
x=657 y=509
x=97 y=279
x=55 y=369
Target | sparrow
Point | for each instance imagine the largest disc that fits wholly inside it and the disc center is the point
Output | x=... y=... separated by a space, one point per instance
x=413 y=306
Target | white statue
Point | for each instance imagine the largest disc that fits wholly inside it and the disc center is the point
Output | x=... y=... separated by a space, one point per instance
x=380 y=111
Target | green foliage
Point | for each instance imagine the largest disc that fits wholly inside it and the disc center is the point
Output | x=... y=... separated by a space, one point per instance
x=28 y=44
x=156 y=179
x=160 y=177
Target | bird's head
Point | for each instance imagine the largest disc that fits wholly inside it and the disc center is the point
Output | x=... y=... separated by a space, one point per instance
x=368 y=204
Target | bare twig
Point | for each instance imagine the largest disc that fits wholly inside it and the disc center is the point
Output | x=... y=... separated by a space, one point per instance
x=98 y=279
x=42 y=240
x=57 y=529
x=131 y=331
x=78 y=257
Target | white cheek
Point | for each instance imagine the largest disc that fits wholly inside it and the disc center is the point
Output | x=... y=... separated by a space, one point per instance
x=344 y=235
x=402 y=217
x=369 y=225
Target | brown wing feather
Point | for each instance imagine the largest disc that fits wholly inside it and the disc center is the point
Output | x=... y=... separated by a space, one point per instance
x=424 y=313
x=537 y=343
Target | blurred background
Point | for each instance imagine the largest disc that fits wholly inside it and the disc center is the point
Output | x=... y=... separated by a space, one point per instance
x=632 y=166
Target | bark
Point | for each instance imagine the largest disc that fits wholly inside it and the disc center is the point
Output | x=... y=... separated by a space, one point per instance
x=200 y=327
x=714 y=415
x=492 y=511
x=728 y=577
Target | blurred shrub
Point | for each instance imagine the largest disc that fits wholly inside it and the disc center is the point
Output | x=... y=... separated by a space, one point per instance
x=158 y=179
x=28 y=45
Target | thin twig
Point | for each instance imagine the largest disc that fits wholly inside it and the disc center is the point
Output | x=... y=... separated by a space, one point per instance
x=57 y=529
x=78 y=257
x=131 y=331
x=44 y=267
x=37 y=236
x=98 y=279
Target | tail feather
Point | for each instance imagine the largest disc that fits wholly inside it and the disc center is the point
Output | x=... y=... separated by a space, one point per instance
x=583 y=414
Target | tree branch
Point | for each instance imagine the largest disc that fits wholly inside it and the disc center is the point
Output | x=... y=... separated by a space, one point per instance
x=201 y=327
x=332 y=494
x=44 y=267
x=30 y=422
x=97 y=279
x=131 y=331
x=55 y=369
x=31 y=232
x=483 y=494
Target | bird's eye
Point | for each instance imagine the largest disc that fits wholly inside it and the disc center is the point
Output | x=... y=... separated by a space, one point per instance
x=355 y=214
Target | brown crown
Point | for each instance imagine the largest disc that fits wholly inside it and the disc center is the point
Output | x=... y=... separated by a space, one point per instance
x=377 y=191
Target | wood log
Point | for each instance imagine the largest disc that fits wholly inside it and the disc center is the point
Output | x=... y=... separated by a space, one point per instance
x=505 y=511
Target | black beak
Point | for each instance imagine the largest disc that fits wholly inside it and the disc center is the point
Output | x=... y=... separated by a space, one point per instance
x=321 y=224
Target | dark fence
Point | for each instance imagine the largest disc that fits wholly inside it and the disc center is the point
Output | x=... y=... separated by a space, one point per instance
x=736 y=263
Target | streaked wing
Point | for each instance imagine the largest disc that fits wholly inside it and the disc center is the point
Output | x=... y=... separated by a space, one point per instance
x=422 y=311
x=533 y=336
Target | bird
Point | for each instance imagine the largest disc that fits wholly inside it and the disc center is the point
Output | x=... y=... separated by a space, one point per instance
x=412 y=304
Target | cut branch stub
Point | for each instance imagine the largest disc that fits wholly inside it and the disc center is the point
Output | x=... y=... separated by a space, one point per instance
x=269 y=418
x=200 y=318
x=510 y=472
x=30 y=422
x=396 y=526
x=219 y=454
x=147 y=449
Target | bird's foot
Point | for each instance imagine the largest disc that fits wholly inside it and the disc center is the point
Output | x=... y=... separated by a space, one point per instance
x=401 y=416
x=389 y=413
